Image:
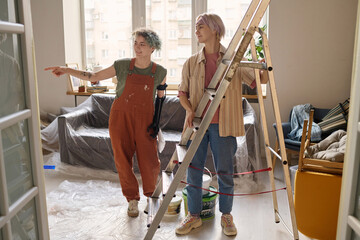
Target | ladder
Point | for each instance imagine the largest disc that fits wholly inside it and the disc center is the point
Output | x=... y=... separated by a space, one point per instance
x=169 y=182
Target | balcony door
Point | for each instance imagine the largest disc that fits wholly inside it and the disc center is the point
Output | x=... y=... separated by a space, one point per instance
x=349 y=211
x=23 y=212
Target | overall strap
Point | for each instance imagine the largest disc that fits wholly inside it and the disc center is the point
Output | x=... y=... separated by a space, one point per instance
x=153 y=69
x=132 y=65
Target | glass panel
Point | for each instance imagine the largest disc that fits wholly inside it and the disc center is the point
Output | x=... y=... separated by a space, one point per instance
x=8 y=11
x=23 y=225
x=172 y=21
x=12 y=91
x=17 y=160
x=108 y=28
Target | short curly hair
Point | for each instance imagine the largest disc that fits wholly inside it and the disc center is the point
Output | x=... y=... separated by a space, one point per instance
x=150 y=36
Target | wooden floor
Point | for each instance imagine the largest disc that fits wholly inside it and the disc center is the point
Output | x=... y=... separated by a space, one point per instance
x=253 y=215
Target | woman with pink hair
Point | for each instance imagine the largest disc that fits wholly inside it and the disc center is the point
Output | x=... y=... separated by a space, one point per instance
x=225 y=126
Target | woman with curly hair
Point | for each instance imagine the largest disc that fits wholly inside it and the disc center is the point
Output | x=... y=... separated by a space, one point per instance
x=133 y=122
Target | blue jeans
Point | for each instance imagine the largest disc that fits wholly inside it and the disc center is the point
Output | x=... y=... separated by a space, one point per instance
x=223 y=150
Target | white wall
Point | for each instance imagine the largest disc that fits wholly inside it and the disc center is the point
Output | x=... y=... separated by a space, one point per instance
x=50 y=42
x=311 y=49
x=49 y=50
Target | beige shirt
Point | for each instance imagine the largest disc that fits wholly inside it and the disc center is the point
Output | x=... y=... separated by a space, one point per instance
x=231 y=113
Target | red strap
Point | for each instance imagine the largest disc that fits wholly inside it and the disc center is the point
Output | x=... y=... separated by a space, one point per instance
x=242 y=173
x=153 y=69
x=132 y=64
x=235 y=194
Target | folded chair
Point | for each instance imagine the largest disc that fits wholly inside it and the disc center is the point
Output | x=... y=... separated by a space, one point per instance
x=292 y=146
x=317 y=193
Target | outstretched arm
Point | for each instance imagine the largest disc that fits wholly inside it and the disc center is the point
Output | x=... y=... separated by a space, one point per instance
x=84 y=75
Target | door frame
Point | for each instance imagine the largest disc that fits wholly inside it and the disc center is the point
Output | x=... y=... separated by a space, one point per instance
x=31 y=114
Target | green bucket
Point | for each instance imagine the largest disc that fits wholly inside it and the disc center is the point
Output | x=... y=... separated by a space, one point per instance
x=208 y=204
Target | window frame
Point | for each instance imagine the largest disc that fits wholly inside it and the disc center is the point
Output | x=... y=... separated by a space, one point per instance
x=139 y=10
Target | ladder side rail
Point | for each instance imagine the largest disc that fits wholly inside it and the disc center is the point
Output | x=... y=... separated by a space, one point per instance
x=280 y=134
x=274 y=99
x=265 y=130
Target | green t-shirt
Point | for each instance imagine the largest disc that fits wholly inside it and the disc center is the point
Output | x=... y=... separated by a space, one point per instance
x=122 y=69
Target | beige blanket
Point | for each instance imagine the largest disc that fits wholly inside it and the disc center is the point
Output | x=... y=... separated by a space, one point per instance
x=331 y=148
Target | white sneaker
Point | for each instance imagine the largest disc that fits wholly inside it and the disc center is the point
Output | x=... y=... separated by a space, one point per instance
x=228 y=225
x=133 y=210
x=190 y=222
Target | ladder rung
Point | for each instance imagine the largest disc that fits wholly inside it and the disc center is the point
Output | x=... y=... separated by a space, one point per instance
x=276 y=154
x=250 y=64
x=181 y=152
x=154 y=204
x=196 y=123
x=167 y=178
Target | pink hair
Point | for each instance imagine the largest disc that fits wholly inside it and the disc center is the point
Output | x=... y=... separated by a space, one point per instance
x=213 y=21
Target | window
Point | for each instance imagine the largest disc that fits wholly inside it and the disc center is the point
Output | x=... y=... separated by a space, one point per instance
x=104 y=36
x=105 y=53
x=174 y=18
x=121 y=53
x=171 y=19
x=157 y=54
x=172 y=34
x=172 y=72
x=229 y=33
x=172 y=54
x=104 y=19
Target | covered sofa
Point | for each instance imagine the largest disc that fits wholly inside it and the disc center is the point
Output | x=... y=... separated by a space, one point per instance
x=84 y=135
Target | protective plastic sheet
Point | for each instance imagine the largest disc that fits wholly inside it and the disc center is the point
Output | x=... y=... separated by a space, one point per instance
x=93 y=207
x=81 y=135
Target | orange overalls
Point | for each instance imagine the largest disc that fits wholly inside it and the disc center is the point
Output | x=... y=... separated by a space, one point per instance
x=130 y=116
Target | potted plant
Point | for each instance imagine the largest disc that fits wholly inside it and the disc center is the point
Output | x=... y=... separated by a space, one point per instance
x=258 y=46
